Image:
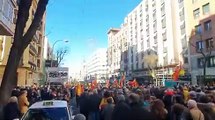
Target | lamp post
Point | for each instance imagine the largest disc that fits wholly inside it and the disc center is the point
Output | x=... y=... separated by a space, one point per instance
x=66 y=41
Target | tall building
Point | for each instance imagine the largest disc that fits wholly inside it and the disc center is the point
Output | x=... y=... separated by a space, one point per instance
x=147 y=29
x=31 y=64
x=7 y=17
x=83 y=72
x=96 y=65
x=200 y=28
x=47 y=53
x=117 y=51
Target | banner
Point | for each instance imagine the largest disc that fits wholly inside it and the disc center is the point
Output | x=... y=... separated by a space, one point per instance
x=57 y=74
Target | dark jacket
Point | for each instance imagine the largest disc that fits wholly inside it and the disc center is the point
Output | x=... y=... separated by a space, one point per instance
x=121 y=111
x=139 y=113
x=207 y=110
x=11 y=111
x=84 y=104
x=94 y=101
x=107 y=112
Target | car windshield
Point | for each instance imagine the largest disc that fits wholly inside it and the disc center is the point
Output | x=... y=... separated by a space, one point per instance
x=47 y=114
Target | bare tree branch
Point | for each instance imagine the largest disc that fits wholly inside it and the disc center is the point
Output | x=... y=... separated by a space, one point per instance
x=23 y=14
x=41 y=8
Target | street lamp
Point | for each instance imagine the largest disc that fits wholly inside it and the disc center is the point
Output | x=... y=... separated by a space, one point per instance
x=66 y=41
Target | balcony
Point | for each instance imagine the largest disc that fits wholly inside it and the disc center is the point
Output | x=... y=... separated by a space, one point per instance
x=7 y=26
x=33 y=49
x=33 y=66
x=36 y=37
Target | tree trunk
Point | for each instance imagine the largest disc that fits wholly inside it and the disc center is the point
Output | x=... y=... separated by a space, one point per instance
x=21 y=41
x=9 y=81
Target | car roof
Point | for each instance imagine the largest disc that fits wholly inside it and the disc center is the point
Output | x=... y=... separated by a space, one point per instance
x=54 y=104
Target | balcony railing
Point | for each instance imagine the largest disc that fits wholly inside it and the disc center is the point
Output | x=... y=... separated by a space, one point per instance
x=33 y=49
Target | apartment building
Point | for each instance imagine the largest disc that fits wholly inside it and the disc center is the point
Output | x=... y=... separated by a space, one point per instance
x=117 y=51
x=47 y=53
x=7 y=8
x=31 y=64
x=96 y=65
x=83 y=71
x=200 y=26
x=154 y=25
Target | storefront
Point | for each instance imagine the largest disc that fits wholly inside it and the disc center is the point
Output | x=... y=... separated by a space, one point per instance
x=209 y=79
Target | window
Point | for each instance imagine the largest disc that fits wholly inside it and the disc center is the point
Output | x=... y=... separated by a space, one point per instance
x=1 y=4
x=182 y=29
x=142 y=45
x=208 y=25
x=155 y=39
x=163 y=21
x=147 y=18
x=211 y=61
x=199 y=46
x=148 y=43
x=200 y=62
x=186 y=60
x=194 y=1
x=146 y=9
x=153 y=4
x=196 y=13
x=206 y=8
x=154 y=15
x=209 y=43
x=163 y=10
x=155 y=26
x=181 y=14
x=164 y=36
x=179 y=1
x=165 y=50
x=198 y=29
x=184 y=42
x=147 y=31
x=142 y=65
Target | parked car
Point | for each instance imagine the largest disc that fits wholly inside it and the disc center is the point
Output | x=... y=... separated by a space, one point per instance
x=49 y=110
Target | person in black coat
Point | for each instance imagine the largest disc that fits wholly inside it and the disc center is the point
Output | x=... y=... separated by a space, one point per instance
x=94 y=102
x=11 y=110
x=84 y=104
x=138 y=112
x=121 y=109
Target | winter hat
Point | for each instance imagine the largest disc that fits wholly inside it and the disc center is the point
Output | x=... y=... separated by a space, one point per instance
x=120 y=91
x=79 y=117
x=191 y=104
x=121 y=98
x=193 y=94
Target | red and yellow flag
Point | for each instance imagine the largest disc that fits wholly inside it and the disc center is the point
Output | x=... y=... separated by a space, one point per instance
x=107 y=83
x=177 y=72
x=122 y=81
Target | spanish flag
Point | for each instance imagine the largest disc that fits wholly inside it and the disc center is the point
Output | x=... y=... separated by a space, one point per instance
x=116 y=84
x=94 y=84
x=107 y=83
x=178 y=71
x=121 y=84
x=79 y=89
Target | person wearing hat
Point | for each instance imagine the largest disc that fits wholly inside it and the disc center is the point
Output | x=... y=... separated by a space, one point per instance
x=23 y=102
x=79 y=117
x=194 y=110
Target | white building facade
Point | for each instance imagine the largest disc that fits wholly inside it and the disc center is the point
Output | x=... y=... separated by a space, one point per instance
x=117 y=51
x=96 y=65
x=153 y=25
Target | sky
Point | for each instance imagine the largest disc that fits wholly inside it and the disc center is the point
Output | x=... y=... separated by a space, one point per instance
x=84 y=23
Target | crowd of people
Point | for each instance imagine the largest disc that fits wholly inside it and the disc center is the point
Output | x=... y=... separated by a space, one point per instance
x=183 y=102
x=23 y=97
x=149 y=103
